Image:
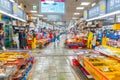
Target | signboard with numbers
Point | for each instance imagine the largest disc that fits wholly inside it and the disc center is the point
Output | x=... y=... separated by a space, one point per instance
x=6 y=5
x=94 y=12
x=113 y=5
x=52 y=6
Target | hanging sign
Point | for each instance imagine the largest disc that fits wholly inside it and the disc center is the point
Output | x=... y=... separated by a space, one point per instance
x=15 y=9
x=113 y=5
x=94 y=12
x=52 y=6
x=6 y=5
x=102 y=5
x=35 y=7
x=56 y=18
x=85 y=14
x=20 y=13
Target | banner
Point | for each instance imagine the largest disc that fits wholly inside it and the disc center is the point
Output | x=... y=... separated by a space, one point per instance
x=113 y=5
x=56 y=18
x=15 y=9
x=6 y=5
x=52 y=6
x=94 y=12
x=85 y=14
x=20 y=13
x=102 y=5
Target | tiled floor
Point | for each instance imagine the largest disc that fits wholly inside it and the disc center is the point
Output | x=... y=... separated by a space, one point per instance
x=52 y=63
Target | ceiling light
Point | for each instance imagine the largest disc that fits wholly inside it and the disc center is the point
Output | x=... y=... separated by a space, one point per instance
x=44 y=18
x=85 y=3
x=40 y=15
x=74 y=18
x=11 y=0
x=34 y=17
x=79 y=8
x=32 y=11
x=76 y=13
x=19 y=6
x=93 y=4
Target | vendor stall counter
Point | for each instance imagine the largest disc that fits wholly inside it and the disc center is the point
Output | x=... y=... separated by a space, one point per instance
x=101 y=67
x=14 y=64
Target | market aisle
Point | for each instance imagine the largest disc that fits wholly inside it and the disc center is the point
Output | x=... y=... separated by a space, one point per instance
x=52 y=63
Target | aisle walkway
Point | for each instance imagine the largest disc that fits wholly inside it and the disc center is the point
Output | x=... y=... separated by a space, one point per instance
x=53 y=63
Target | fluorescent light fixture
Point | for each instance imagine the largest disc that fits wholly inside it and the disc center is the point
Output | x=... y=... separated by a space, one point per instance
x=78 y=8
x=93 y=4
x=34 y=18
x=19 y=6
x=40 y=15
x=11 y=0
x=32 y=11
x=76 y=13
x=85 y=3
x=10 y=15
x=106 y=15
x=44 y=18
x=74 y=18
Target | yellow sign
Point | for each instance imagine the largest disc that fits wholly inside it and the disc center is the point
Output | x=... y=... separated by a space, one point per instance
x=116 y=26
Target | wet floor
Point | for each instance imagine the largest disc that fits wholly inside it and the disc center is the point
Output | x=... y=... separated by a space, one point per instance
x=53 y=63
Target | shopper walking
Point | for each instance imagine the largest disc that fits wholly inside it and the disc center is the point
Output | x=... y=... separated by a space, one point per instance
x=2 y=37
x=58 y=37
x=54 y=35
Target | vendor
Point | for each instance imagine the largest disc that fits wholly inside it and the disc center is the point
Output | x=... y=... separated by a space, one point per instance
x=34 y=40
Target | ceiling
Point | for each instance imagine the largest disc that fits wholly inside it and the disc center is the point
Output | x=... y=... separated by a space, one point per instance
x=70 y=7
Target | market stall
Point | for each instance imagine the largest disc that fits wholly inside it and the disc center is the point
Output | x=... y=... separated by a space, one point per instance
x=100 y=66
x=15 y=65
x=75 y=41
x=43 y=43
